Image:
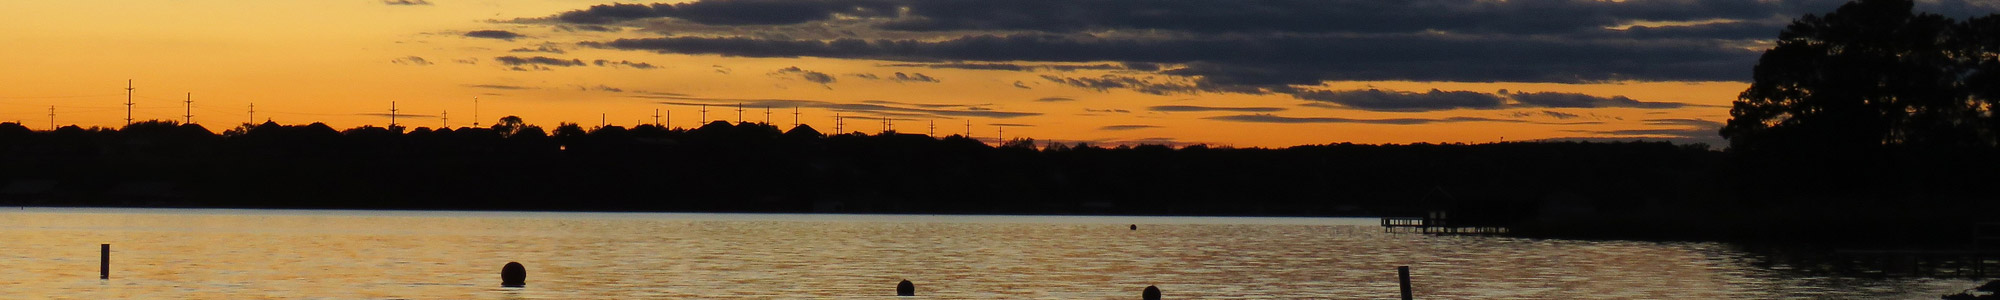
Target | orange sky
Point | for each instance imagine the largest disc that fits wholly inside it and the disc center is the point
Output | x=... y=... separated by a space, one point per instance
x=338 y=62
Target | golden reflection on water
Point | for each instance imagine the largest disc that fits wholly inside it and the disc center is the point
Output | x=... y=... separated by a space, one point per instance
x=236 y=254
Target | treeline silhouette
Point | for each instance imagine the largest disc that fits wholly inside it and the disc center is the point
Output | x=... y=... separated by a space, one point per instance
x=1565 y=189
x=756 y=167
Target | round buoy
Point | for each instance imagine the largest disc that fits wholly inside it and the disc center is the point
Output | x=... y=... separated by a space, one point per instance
x=906 y=288
x=1152 y=293
x=1135 y=226
x=513 y=275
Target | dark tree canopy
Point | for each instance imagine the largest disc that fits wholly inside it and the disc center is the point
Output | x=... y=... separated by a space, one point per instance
x=1869 y=76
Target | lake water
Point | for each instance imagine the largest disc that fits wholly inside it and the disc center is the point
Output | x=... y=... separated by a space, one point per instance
x=293 y=254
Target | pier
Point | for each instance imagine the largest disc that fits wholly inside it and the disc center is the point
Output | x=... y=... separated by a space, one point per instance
x=1437 y=222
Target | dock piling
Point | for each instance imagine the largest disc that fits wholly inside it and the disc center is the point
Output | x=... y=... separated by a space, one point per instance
x=1151 y=293
x=104 y=261
x=906 y=288
x=1403 y=275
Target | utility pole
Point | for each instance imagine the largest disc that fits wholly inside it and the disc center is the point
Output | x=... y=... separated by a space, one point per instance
x=128 y=102
x=392 y=115
x=670 y=119
x=968 y=128
x=888 y=125
x=475 y=112
x=52 y=118
x=839 y=124
x=603 y=119
x=795 y=117
x=446 y=116
x=187 y=117
x=1002 y=137
x=253 y=114
x=933 y=132
x=704 y=115
x=767 y=115
x=656 y=117
x=739 y=113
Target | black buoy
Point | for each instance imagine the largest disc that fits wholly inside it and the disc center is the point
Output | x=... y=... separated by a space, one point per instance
x=513 y=275
x=906 y=288
x=1135 y=226
x=1152 y=293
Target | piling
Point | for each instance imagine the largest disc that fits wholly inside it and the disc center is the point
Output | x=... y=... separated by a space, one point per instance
x=513 y=275
x=1135 y=226
x=1151 y=293
x=906 y=288
x=1403 y=275
x=104 y=261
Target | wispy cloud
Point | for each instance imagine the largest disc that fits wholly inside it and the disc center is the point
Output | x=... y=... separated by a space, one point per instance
x=1270 y=118
x=1126 y=127
x=943 y=111
x=411 y=60
x=494 y=34
x=1192 y=108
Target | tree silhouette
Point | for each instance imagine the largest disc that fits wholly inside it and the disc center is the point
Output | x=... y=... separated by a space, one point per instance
x=1869 y=76
x=508 y=126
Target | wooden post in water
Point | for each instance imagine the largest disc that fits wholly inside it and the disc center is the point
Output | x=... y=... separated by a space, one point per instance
x=104 y=261
x=906 y=288
x=1151 y=293
x=1403 y=275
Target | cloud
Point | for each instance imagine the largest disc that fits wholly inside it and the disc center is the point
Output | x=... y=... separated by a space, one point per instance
x=943 y=111
x=1573 y=100
x=1021 y=85
x=808 y=75
x=1010 y=66
x=537 y=62
x=494 y=34
x=631 y=64
x=406 y=2
x=729 y=12
x=914 y=77
x=1401 y=101
x=1126 y=127
x=540 y=48
x=499 y=87
x=1108 y=110
x=1107 y=82
x=1190 y=108
x=1547 y=113
x=1679 y=131
x=1219 y=16
x=411 y=60
x=865 y=76
x=1269 y=118
x=1283 y=59
x=1697 y=123
x=468 y=60
x=600 y=87
x=1055 y=99
x=1243 y=45
x=1379 y=100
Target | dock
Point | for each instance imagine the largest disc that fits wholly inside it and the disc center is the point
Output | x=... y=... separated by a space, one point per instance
x=1437 y=222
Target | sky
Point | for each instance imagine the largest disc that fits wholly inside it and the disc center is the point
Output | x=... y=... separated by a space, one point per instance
x=1239 y=73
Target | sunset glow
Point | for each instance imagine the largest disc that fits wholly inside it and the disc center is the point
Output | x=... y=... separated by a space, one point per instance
x=345 y=62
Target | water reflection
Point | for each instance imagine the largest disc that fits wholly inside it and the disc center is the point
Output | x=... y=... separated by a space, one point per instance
x=431 y=255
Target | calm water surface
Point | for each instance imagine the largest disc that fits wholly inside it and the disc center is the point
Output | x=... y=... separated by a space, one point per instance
x=185 y=253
